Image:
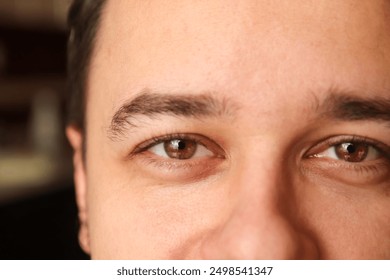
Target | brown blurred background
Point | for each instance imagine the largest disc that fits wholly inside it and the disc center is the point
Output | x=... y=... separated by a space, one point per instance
x=37 y=209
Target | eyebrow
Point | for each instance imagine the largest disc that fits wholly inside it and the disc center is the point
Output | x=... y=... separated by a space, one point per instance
x=348 y=106
x=338 y=105
x=151 y=104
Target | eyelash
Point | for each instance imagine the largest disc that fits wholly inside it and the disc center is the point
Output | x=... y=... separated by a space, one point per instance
x=337 y=140
x=329 y=142
x=365 y=166
x=199 y=139
x=374 y=166
x=190 y=169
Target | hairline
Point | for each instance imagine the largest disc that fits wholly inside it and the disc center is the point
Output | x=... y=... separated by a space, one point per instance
x=84 y=21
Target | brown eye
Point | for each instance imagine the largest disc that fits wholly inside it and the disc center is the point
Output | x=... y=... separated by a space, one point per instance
x=350 y=159
x=180 y=148
x=352 y=152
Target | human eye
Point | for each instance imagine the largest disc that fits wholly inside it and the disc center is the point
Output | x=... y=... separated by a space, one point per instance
x=352 y=159
x=181 y=155
x=180 y=148
x=351 y=150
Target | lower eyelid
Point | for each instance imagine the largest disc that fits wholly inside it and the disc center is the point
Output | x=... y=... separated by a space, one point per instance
x=178 y=170
x=356 y=174
x=165 y=162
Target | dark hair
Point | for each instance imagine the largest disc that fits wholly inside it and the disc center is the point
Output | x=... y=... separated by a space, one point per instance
x=83 y=22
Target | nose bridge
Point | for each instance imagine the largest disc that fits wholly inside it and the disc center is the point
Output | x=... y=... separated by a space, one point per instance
x=261 y=183
x=259 y=224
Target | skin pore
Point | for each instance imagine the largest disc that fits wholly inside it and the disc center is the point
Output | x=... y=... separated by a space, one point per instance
x=230 y=129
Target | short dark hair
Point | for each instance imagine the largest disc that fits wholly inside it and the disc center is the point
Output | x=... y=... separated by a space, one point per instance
x=83 y=22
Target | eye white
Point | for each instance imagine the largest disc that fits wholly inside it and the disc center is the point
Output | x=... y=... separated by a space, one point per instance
x=159 y=150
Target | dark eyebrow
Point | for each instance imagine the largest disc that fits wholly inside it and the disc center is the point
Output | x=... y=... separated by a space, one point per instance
x=151 y=104
x=347 y=106
x=338 y=105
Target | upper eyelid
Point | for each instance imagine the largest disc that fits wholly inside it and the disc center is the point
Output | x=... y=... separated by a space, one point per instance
x=200 y=139
x=161 y=139
x=338 y=139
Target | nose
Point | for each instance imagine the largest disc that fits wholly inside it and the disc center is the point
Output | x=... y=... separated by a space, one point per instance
x=261 y=222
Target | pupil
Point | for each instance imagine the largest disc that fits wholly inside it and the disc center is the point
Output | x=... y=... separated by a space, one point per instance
x=351 y=148
x=181 y=145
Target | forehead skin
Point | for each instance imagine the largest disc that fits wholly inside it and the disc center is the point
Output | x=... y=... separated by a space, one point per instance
x=257 y=42
x=275 y=59
x=251 y=48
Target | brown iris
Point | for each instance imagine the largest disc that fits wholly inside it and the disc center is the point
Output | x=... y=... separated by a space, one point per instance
x=352 y=152
x=180 y=148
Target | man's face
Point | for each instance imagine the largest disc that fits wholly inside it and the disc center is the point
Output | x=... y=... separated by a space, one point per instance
x=238 y=129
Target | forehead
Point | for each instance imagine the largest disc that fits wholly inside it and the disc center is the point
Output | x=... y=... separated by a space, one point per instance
x=240 y=46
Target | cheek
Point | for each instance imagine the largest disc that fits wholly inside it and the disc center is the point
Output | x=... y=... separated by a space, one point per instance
x=347 y=223
x=133 y=219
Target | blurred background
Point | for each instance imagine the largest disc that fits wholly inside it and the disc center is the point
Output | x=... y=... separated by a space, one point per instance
x=38 y=217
